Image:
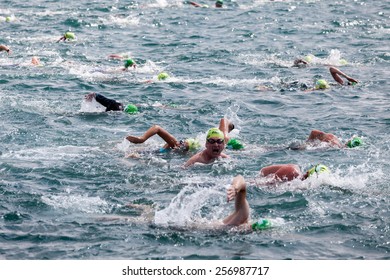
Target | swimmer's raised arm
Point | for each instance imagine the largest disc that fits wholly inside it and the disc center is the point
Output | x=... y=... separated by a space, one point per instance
x=5 y=48
x=226 y=126
x=237 y=191
x=336 y=73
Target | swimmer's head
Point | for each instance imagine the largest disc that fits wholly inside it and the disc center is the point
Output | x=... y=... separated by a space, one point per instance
x=354 y=142
x=35 y=61
x=162 y=76
x=8 y=19
x=69 y=35
x=219 y=3
x=129 y=62
x=322 y=84
x=261 y=224
x=131 y=109
x=317 y=169
x=308 y=58
x=234 y=144
x=215 y=133
x=343 y=62
x=192 y=144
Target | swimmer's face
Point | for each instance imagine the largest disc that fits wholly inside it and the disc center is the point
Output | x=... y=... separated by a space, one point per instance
x=215 y=145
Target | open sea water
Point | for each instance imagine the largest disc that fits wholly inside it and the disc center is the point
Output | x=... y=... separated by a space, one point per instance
x=64 y=165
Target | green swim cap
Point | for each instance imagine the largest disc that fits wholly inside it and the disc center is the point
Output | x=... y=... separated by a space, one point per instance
x=262 y=224
x=131 y=109
x=322 y=84
x=319 y=168
x=69 y=35
x=129 y=62
x=219 y=2
x=355 y=142
x=235 y=144
x=162 y=76
x=193 y=144
x=215 y=132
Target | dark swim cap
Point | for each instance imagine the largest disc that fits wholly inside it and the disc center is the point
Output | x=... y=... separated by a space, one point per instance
x=355 y=142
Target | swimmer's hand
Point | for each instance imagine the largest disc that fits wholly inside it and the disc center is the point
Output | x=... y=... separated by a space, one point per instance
x=352 y=80
x=231 y=193
x=89 y=97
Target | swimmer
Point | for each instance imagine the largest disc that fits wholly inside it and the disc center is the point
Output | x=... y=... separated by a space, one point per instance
x=215 y=144
x=322 y=84
x=160 y=77
x=68 y=36
x=35 y=61
x=189 y=144
x=288 y=172
x=236 y=221
x=6 y=49
x=111 y=104
x=301 y=62
x=129 y=63
x=317 y=137
x=218 y=4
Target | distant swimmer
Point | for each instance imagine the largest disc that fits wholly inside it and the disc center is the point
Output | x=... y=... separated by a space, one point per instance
x=36 y=61
x=288 y=172
x=322 y=84
x=308 y=59
x=318 y=137
x=215 y=144
x=6 y=49
x=68 y=36
x=111 y=104
x=172 y=144
x=218 y=4
x=162 y=76
x=128 y=62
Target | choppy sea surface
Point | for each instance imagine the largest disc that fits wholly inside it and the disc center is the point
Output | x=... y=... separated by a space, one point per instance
x=65 y=171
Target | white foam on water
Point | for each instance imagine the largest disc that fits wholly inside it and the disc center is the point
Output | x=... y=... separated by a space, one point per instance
x=77 y=203
x=188 y=206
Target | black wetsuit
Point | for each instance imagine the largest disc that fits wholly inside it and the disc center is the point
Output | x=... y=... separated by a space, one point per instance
x=110 y=104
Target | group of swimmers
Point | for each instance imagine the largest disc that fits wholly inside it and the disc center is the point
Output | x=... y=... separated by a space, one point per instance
x=217 y=139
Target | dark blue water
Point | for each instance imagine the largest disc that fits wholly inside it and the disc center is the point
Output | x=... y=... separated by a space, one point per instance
x=64 y=165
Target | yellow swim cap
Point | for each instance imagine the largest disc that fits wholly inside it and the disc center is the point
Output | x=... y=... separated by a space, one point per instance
x=343 y=61
x=215 y=132
x=162 y=76
x=322 y=84
x=319 y=168
x=69 y=35
x=308 y=58
x=193 y=144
